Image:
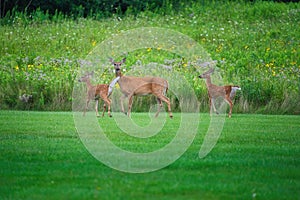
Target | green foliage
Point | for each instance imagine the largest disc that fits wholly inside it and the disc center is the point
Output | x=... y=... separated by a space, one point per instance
x=257 y=43
x=257 y=156
x=91 y=8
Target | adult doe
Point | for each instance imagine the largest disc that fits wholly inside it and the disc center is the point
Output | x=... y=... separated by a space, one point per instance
x=136 y=86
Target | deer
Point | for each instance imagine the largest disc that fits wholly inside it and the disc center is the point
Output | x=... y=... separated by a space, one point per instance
x=227 y=92
x=139 y=86
x=102 y=91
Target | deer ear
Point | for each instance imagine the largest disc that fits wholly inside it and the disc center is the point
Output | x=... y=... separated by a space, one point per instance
x=111 y=60
x=123 y=60
x=91 y=73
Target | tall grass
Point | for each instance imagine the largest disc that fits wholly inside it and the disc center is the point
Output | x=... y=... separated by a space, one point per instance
x=258 y=43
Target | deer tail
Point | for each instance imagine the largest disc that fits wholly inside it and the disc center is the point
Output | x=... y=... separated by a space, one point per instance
x=166 y=87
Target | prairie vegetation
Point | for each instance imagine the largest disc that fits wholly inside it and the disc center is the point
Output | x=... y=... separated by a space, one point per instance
x=257 y=42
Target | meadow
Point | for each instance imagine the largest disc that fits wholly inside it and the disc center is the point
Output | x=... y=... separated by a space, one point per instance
x=256 y=42
x=42 y=157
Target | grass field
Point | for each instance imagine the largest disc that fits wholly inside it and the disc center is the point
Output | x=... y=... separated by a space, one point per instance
x=42 y=157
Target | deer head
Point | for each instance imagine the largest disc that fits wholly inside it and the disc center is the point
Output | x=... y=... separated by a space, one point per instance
x=86 y=77
x=117 y=65
x=207 y=73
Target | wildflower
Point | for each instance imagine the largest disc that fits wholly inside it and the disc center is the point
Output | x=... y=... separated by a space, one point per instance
x=149 y=49
x=27 y=76
x=29 y=67
x=219 y=48
x=25 y=98
x=37 y=58
x=94 y=43
x=268 y=49
x=169 y=67
x=17 y=68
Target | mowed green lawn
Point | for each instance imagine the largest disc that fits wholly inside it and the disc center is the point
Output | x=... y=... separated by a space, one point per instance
x=42 y=157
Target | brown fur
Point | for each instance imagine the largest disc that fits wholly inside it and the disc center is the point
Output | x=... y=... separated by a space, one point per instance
x=96 y=92
x=136 y=86
x=215 y=91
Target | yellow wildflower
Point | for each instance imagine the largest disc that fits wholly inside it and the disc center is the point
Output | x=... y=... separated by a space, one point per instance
x=219 y=48
x=29 y=67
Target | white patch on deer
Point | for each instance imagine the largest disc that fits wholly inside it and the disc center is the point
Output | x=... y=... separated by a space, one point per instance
x=233 y=90
x=112 y=85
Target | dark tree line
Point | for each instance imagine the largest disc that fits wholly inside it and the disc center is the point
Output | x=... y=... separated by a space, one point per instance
x=83 y=8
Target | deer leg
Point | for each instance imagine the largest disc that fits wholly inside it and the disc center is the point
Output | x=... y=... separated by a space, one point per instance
x=130 y=101
x=212 y=105
x=86 y=105
x=159 y=106
x=210 y=108
x=107 y=102
x=104 y=109
x=96 y=107
x=108 y=105
x=121 y=102
x=228 y=100
x=167 y=101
